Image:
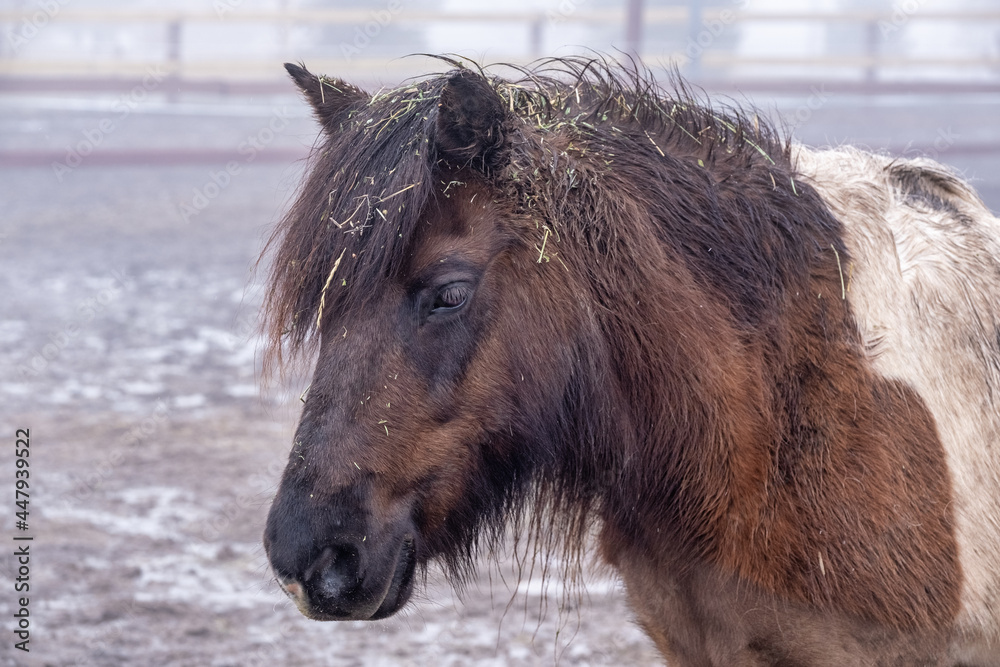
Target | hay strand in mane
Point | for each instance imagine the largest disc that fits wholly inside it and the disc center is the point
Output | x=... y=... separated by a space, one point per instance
x=326 y=286
x=386 y=147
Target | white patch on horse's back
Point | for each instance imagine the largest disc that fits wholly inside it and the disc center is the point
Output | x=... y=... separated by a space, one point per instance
x=924 y=287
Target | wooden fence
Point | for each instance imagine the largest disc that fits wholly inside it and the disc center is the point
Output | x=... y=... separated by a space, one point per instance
x=708 y=60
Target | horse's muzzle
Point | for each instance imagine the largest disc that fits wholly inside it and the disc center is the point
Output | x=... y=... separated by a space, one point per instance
x=334 y=587
x=335 y=560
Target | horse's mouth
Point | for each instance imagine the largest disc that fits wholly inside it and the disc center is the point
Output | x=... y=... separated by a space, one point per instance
x=368 y=599
x=401 y=585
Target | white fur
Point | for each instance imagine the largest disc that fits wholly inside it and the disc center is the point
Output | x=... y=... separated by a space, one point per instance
x=924 y=287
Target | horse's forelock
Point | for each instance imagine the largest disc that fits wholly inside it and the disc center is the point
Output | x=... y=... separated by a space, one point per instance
x=354 y=217
x=373 y=174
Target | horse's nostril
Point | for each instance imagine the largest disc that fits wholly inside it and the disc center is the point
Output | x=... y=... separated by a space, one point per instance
x=319 y=565
x=336 y=571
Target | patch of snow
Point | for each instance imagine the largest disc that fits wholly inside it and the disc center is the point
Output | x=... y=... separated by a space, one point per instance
x=189 y=401
x=143 y=388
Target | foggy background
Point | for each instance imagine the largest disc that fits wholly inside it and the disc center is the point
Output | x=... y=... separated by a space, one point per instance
x=145 y=150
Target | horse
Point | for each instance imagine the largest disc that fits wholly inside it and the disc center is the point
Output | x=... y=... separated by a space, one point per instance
x=760 y=380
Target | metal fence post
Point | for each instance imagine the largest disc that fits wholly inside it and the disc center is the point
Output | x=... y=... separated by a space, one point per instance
x=633 y=29
x=694 y=29
x=536 y=29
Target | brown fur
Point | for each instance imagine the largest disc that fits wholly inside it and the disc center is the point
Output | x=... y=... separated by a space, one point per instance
x=656 y=337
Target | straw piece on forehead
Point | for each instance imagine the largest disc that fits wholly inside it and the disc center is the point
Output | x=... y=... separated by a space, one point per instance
x=374 y=172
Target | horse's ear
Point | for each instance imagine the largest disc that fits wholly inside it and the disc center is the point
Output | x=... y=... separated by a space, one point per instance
x=470 y=121
x=329 y=98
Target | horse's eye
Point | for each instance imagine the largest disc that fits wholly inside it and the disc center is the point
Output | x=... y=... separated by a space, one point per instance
x=451 y=297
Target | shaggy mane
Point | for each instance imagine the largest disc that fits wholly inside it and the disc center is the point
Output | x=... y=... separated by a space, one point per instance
x=371 y=177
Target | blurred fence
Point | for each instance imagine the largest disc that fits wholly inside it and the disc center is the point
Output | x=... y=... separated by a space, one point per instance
x=909 y=80
x=174 y=42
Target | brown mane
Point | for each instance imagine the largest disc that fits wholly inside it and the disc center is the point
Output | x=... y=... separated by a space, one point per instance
x=610 y=108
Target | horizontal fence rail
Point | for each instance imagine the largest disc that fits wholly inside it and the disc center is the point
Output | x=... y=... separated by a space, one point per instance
x=868 y=67
x=867 y=64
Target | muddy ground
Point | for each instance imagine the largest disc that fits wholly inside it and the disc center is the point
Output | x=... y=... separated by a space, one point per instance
x=127 y=348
